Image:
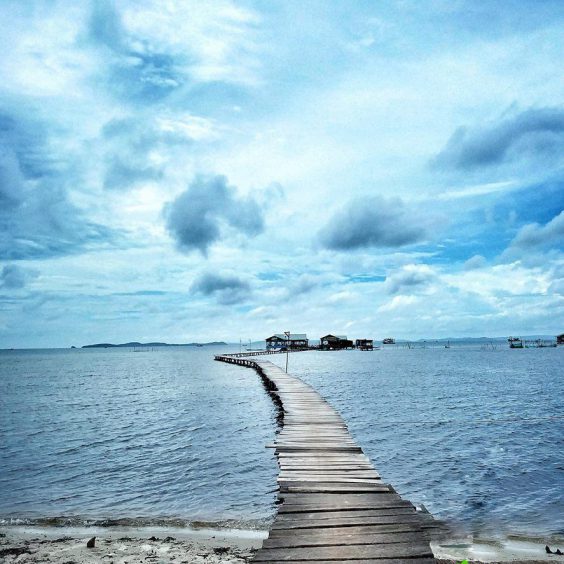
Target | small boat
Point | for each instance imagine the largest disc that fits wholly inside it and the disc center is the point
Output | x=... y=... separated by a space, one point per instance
x=389 y=341
x=515 y=343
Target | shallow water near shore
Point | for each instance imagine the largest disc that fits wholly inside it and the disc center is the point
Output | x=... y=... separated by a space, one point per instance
x=170 y=438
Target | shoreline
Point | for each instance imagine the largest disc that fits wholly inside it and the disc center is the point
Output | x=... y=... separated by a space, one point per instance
x=182 y=545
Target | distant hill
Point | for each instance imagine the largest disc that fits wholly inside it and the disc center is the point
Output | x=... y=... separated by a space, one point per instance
x=136 y=344
x=480 y=339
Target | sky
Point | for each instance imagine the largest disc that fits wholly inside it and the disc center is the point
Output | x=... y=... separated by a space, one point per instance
x=182 y=171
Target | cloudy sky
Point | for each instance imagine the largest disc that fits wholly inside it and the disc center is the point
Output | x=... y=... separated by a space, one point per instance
x=176 y=170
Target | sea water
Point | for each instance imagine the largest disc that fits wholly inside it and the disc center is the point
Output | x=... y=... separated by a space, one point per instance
x=168 y=436
x=473 y=433
x=133 y=436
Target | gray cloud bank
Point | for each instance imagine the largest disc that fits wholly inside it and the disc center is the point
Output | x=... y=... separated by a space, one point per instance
x=538 y=132
x=129 y=143
x=137 y=70
x=372 y=222
x=534 y=235
x=37 y=219
x=14 y=277
x=228 y=289
x=199 y=216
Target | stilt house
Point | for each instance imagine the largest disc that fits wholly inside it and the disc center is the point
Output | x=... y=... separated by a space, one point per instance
x=293 y=341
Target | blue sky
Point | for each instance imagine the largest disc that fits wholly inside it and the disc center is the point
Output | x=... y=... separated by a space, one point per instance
x=189 y=171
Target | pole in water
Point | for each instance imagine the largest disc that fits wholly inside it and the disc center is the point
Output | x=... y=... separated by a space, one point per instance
x=287 y=333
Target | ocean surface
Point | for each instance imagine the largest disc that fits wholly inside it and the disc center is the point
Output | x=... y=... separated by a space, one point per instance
x=168 y=436
x=139 y=436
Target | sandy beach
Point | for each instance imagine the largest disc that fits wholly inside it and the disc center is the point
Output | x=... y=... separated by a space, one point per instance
x=128 y=545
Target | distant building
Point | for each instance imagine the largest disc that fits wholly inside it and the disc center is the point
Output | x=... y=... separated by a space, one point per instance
x=364 y=344
x=560 y=339
x=293 y=341
x=335 y=342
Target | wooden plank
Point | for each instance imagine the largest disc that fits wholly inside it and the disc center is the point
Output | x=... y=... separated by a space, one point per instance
x=313 y=499
x=360 y=552
x=333 y=488
x=330 y=470
x=350 y=472
x=314 y=447
x=352 y=529
x=327 y=465
x=350 y=539
x=343 y=522
x=386 y=513
x=289 y=480
x=351 y=456
x=364 y=561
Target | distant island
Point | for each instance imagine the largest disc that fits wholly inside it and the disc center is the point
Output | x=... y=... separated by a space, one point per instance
x=136 y=344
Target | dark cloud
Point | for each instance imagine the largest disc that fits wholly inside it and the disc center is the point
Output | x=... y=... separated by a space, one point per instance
x=136 y=71
x=37 y=218
x=129 y=143
x=143 y=293
x=372 y=222
x=535 y=235
x=14 y=277
x=530 y=133
x=410 y=276
x=122 y=174
x=197 y=218
x=306 y=283
x=228 y=289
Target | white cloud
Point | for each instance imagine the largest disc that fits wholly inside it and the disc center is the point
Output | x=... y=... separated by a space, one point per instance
x=412 y=277
x=501 y=280
x=398 y=302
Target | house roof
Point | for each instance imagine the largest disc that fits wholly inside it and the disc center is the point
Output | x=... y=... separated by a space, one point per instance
x=340 y=337
x=293 y=337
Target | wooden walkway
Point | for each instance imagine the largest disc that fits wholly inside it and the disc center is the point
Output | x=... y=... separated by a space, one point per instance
x=333 y=506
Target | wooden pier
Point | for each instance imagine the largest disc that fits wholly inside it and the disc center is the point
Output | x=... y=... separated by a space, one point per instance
x=333 y=506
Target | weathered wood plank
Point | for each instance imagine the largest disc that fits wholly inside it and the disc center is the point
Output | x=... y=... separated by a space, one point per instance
x=332 y=488
x=371 y=499
x=312 y=481
x=360 y=552
x=312 y=532
x=385 y=515
x=344 y=539
x=363 y=561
